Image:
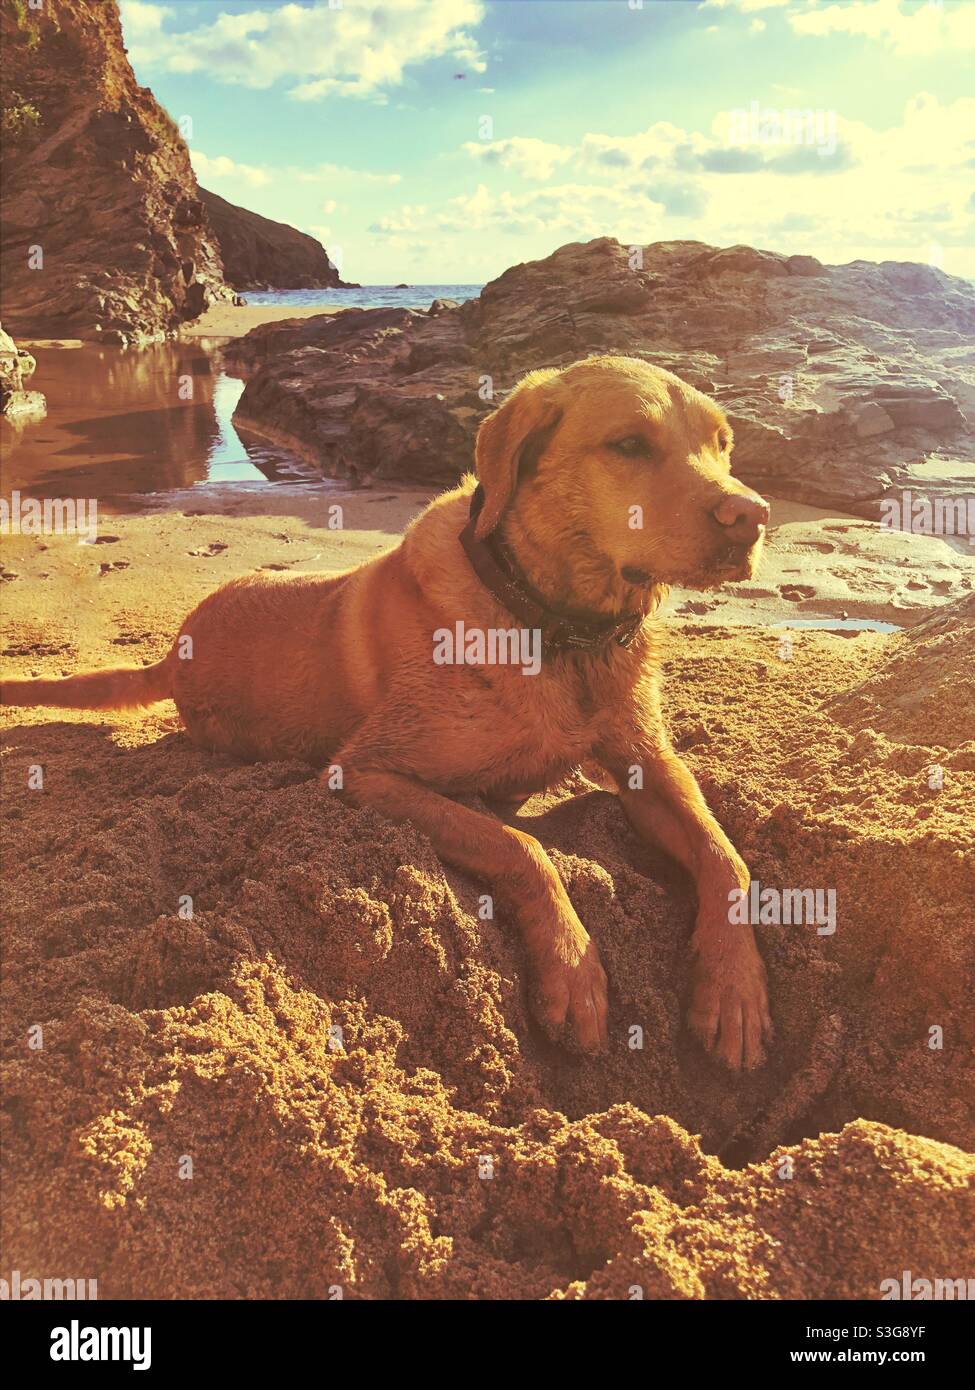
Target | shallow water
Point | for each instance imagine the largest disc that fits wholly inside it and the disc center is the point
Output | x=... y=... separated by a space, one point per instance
x=121 y=424
x=827 y=624
x=125 y=422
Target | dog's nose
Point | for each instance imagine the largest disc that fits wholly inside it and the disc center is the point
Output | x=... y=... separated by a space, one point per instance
x=742 y=515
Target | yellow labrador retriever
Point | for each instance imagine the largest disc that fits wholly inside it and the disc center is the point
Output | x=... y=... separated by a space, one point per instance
x=506 y=639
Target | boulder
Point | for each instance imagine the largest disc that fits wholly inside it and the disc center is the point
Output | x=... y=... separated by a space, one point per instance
x=16 y=365
x=840 y=381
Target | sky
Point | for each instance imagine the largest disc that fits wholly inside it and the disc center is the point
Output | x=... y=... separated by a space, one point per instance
x=440 y=141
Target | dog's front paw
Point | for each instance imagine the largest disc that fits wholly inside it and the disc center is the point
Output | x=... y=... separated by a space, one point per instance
x=728 y=1011
x=572 y=988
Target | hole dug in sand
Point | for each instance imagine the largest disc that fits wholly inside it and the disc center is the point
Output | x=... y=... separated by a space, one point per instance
x=329 y=1075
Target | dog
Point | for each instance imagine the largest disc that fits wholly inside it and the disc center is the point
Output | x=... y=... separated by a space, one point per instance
x=598 y=485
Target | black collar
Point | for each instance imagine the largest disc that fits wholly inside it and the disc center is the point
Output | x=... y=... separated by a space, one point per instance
x=561 y=629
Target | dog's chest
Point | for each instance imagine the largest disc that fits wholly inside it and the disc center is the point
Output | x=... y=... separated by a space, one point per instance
x=527 y=731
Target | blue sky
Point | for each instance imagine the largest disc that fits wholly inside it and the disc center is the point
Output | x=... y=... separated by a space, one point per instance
x=443 y=140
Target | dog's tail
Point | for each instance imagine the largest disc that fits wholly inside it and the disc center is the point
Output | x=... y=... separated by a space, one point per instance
x=123 y=687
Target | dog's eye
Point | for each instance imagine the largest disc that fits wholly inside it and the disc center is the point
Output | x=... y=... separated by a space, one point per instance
x=631 y=446
x=724 y=441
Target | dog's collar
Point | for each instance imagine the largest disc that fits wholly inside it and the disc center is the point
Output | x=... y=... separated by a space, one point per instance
x=561 y=629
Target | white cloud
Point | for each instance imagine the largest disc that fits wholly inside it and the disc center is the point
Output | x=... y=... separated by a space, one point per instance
x=407 y=219
x=891 y=193
x=907 y=26
x=142 y=20
x=561 y=212
x=351 y=50
x=747 y=6
x=535 y=159
x=909 y=29
x=330 y=173
x=209 y=170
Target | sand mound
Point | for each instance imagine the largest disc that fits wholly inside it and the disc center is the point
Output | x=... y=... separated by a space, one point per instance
x=926 y=686
x=329 y=1074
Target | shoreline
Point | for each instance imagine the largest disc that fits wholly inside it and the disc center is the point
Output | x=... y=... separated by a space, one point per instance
x=820 y=568
x=235 y=320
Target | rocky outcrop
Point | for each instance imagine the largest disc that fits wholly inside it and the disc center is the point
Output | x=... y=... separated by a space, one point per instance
x=104 y=232
x=16 y=366
x=840 y=381
x=259 y=254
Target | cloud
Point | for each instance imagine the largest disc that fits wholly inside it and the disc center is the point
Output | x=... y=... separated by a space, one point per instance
x=667 y=181
x=807 y=142
x=354 y=50
x=909 y=27
x=746 y=6
x=535 y=159
x=143 y=20
x=406 y=219
x=332 y=173
x=209 y=170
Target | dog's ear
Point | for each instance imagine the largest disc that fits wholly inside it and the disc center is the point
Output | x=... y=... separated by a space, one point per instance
x=508 y=438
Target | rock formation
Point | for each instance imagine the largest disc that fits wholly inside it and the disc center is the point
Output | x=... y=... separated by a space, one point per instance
x=16 y=366
x=261 y=254
x=839 y=380
x=105 y=235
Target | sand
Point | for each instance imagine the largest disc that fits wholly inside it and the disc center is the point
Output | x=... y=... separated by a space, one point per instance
x=322 y=1073
x=224 y=320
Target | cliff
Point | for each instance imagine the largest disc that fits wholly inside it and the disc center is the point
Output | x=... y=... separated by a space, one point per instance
x=259 y=253
x=104 y=232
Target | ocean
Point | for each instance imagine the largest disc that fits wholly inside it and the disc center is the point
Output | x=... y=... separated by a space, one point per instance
x=368 y=297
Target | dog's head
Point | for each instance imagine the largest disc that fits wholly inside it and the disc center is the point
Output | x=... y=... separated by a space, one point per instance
x=628 y=459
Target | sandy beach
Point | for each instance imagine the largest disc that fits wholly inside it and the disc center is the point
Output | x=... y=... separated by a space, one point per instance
x=262 y=1045
x=335 y=1042
x=226 y=320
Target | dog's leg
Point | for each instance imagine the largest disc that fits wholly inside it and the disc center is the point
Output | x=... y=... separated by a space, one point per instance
x=569 y=975
x=729 y=1001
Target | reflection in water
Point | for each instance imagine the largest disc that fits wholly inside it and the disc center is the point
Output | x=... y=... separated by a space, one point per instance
x=125 y=422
